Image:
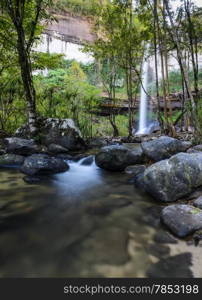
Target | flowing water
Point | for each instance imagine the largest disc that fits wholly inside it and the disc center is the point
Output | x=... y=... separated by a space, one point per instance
x=143 y=118
x=83 y=223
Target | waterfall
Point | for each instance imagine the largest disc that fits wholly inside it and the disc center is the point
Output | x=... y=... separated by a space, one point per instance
x=143 y=113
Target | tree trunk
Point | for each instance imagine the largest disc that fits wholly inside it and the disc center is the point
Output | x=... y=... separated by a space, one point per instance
x=115 y=128
x=26 y=73
x=191 y=34
x=156 y=62
x=183 y=68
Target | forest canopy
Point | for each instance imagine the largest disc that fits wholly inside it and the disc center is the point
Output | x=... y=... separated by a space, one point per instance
x=70 y=89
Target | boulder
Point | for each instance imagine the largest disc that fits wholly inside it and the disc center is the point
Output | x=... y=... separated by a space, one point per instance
x=64 y=156
x=87 y=161
x=182 y=219
x=97 y=142
x=20 y=146
x=195 y=149
x=11 y=160
x=39 y=164
x=177 y=266
x=117 y=157
x=56 y=149
x=164 y=147
x=2 y=151
x=198 y=147
x=136 y=149
x=198 y=202
x=78 y=157
x=62 y=132
x=135 y=170
x=171 y=179
x=32 y=179
x=158 y=250
x=164 y=237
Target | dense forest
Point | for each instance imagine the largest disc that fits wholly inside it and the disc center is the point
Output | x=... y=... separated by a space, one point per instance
x=72 y=89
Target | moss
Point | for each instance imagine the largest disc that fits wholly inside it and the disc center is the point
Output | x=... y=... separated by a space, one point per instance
x=195 y=211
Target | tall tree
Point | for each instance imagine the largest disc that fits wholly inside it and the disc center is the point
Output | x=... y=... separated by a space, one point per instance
x=24 y=17
x=176 y=39
x=121 y=37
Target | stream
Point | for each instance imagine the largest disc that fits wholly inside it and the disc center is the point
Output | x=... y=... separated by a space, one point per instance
x=86 y=222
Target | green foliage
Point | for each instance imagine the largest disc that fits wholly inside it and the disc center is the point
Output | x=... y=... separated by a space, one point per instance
x=30 y=20
x=78 y=7
x=41 y=61
x=12 y=103
x=102 y=126
x=198 y=138
x=175 y=80
x=70 y=89
x=66 y=93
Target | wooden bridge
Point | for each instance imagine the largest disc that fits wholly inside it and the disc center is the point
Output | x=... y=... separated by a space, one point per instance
x=120 y=106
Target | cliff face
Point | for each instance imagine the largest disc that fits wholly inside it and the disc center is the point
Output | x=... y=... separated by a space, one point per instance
x=72 y=28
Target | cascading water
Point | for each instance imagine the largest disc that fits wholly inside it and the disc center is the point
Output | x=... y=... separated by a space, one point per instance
x=143 y=114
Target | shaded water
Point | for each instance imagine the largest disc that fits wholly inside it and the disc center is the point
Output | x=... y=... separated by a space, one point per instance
x=82 y=223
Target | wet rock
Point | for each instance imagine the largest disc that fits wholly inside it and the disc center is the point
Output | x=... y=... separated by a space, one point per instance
x=117 y=158
x=135 y=170
x=38 y=164
x=158 y=250
x=138 y=181
x=195 y=194
x=191 y=150
x=198 y=147
x=11 y=160
x=62 y=132
x=182 y=219
x=32 y=179
x=43 y=149
x=163 y=237
x=197 y=237
x=195 y=149
x=131 y=139
x=20 y=146
x=87 y=161
x=55 y=149
x=151 y=216
x=137 y=151
x=64 y=156
x=198 y=202
x=169 y=180
x=97 y=143
x=177 y=266
x=164 y=147
x=79 y=157
x=2 y=151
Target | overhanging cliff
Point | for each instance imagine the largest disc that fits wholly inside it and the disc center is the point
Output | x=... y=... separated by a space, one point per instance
x=74 y=29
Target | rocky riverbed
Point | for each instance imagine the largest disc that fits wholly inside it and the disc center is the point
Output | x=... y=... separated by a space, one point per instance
x=133 y=212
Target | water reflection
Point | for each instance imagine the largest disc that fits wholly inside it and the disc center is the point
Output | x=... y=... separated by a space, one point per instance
x=82 y=223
